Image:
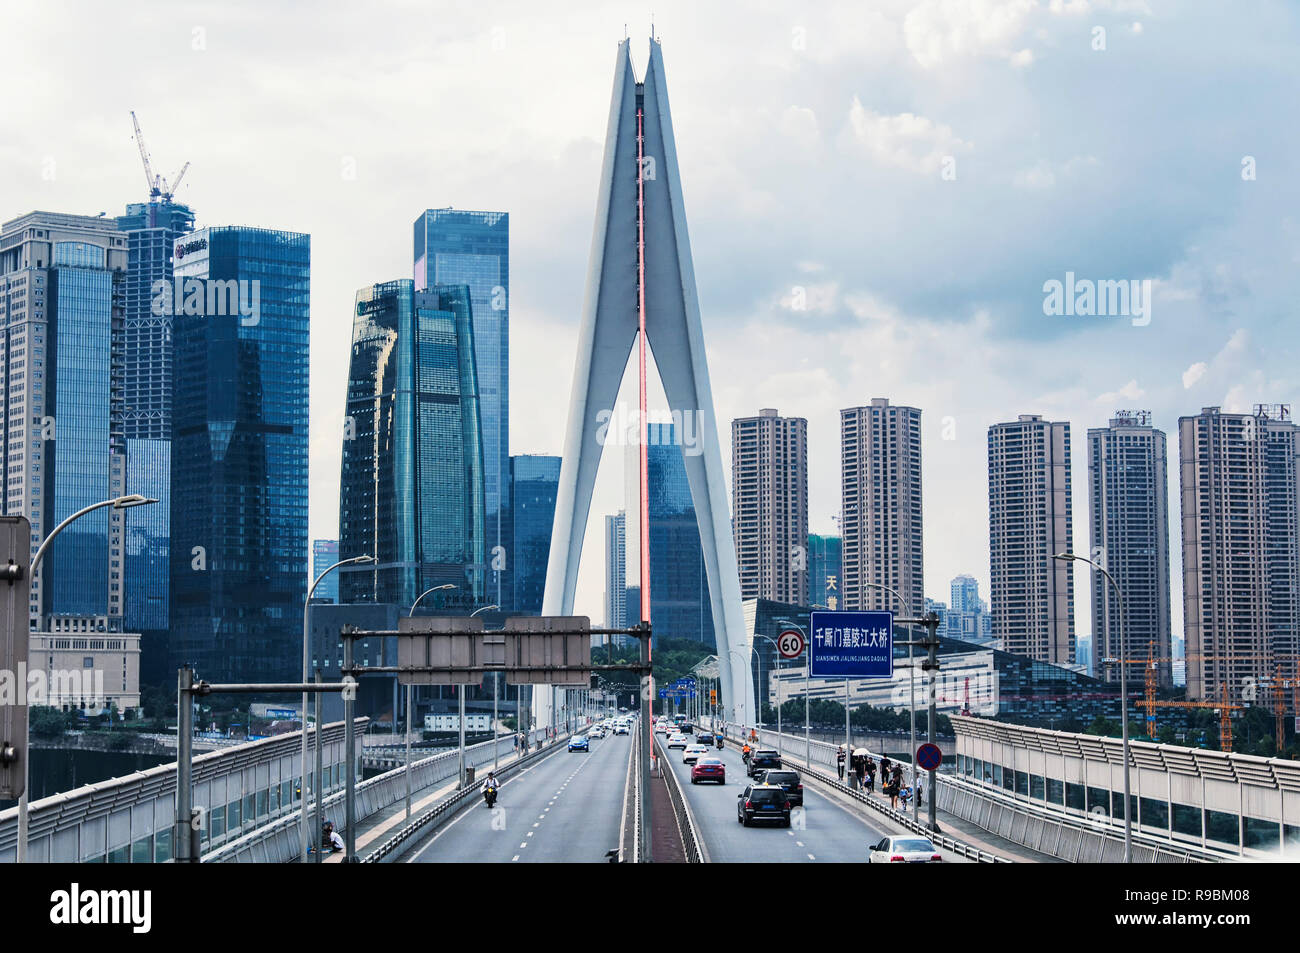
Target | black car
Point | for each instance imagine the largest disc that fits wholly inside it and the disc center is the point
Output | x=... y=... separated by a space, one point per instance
x=704 y=738
x=762 y=802
x=761 y=759
x=788 y=781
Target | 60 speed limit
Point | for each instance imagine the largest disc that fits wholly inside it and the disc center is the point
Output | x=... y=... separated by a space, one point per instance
x=790 y=643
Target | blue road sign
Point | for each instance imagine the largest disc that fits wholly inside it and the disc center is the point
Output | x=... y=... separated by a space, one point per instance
x=851 y=645
x=929 y=757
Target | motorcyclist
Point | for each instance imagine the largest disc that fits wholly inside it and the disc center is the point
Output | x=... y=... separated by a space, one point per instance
x=745 y=751
x=490 y=788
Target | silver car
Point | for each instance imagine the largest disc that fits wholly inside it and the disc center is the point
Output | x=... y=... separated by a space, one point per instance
x=904 y=849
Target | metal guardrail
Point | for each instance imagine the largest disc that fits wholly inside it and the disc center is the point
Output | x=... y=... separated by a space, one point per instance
x=686 y=827
x=452 y=805
x=629 y=849
x=898 y=817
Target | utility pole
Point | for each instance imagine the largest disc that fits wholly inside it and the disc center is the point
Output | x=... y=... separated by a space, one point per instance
x=931 y=667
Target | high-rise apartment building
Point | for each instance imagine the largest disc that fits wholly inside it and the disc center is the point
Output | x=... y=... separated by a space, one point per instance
x=462 y=247
x=825 y=568
x=880 y=474
x=62 y=309
x=968 y=615
x=616 y=571
x=411 y=487
x=1239 y=475
x=240 y=453
x=1030 y=514
x=1128 y=517
x=680 y=607
x=769 y=505
x=533 y=482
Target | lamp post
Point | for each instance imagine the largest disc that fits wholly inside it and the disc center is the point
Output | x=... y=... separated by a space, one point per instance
x=807 y=737
x=410 y=699
x=911 y=677
x=776 y=665
x=306 y=664
x=118 y=503
x=1123 y=694
x=744 y=661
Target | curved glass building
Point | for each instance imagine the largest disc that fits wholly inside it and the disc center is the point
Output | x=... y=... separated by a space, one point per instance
x=411 y=491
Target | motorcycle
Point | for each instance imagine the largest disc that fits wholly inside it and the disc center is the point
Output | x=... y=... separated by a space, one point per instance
x=490 y=796
x=719 y=741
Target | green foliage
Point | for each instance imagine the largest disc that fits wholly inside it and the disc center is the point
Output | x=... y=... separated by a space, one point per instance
x=46 y=721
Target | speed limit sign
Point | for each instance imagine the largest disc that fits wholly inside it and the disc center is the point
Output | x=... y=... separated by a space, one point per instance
x=790 y=643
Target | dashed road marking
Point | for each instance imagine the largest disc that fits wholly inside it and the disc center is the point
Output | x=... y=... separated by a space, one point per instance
x=514 y=858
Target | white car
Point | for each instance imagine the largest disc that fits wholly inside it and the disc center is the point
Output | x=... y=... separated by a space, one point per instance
x=904 y=849
x=597 y=732
x=677 y=740
x=692 y=752
x=620 y=729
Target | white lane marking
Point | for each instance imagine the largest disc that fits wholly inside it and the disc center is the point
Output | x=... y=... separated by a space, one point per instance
x=537 y=824
x=799 y=842
x=523 y=845
x=811 y=857
x=530 y=833
x=514 y=858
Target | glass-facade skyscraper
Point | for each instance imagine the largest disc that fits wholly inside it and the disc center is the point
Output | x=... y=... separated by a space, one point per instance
x=824 y=570
x=534 y=481
x=461 y=247
x=61 y=317
x=411 y=488
x=325 y=553
x=152 y=229
x=680 y=607
x=240 y=454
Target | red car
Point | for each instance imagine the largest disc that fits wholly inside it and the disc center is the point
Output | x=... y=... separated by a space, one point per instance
x=709 y=769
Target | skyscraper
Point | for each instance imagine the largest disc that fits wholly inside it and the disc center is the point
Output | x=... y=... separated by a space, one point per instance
x=968 y=615
x=152 y=229
x=1128 y=510
x=324 y=554
x=411 y=487
x=62 y=306
x=825 y=569
x=880 y=453
x=1030 y=514
x=533 y=481
x=769 y=505
x=679 y=591
x=239 y=453
x=460 y=247
x=616 y=601
x=1239 y=475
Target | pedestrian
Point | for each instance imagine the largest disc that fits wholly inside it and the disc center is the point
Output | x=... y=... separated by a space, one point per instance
x=871 y=776
x=884 y=768
x=890 y=790
x=839 y=762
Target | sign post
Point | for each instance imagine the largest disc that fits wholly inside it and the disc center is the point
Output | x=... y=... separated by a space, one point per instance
x=15 y=590
x=851 y=645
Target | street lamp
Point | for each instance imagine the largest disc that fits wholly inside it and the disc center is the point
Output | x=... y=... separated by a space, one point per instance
x=911 y=678
x=776 y=663
x=807 y=736
x=306 y=664
x=744 y=660
x=1123 y=694
x=410 y=699
x=118 y=503
x=460 y=690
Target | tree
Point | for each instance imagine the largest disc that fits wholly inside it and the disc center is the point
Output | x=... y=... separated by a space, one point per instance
x=46 y=721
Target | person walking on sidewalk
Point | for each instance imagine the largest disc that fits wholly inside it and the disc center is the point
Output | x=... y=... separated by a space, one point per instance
x=839 y=762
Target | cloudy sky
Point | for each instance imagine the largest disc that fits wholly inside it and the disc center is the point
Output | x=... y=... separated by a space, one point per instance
x=876 y=193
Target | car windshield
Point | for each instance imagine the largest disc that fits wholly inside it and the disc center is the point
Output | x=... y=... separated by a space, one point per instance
x=709 y=761
x=782 y=777
x=913 y=845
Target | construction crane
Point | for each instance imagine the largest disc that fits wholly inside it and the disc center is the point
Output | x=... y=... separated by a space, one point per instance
x=1223 y=707
x=1277 y=698
x=158 y=187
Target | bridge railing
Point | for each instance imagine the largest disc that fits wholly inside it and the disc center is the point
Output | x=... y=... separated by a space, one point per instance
x=279 y=841
x=692 y=842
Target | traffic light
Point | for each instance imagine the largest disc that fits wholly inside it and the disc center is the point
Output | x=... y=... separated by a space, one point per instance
x=15 y=587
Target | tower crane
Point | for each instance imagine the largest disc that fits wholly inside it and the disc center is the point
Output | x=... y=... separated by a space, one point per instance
x=158 y=187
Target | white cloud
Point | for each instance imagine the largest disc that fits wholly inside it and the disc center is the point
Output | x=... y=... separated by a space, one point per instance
x=938 y=30
x=1130 y=391
x=1193 y=374
x=904 y=140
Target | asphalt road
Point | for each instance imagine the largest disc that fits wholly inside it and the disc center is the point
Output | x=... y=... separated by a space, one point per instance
x=828 y=832
x=565 y=808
